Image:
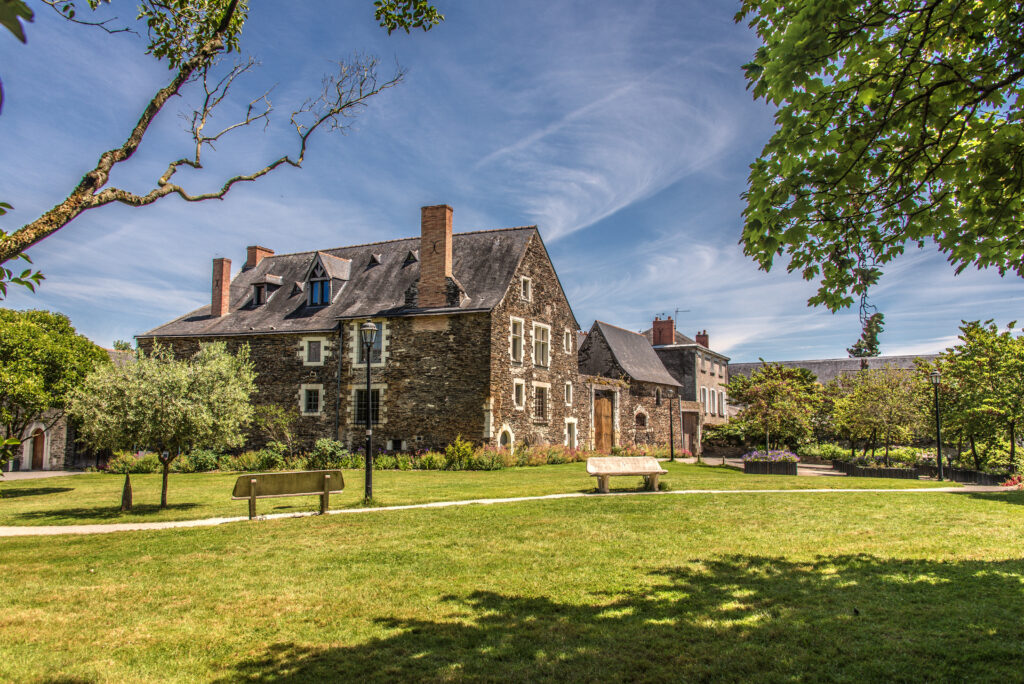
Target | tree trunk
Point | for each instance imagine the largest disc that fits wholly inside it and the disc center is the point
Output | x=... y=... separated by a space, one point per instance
x=974 y=453
x=163 y=486
x=874 y=443
x=126 y=494
x=887 y=464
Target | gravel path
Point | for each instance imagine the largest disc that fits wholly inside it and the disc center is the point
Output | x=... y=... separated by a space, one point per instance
x=50 y=530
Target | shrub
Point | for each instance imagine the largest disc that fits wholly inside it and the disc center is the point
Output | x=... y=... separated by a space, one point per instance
x=487 y=458
x=329 y=453
x=774 y=456
x=432 y=460
x=125 y=462
x=459 y=454
x=384 y=462
x=270 y=457
x=726 y=434
x=198 y=461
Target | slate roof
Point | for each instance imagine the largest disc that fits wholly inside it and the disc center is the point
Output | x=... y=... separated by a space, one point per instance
x=635 y=354
x=483 y=262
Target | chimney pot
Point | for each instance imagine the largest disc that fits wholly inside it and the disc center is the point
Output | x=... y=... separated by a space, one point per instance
x=435 y=255
x=255 y=254
x=220 y=299
x=702 y=339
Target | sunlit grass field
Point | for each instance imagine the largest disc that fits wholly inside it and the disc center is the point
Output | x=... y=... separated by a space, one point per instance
x=756 y=587
x=96 y=497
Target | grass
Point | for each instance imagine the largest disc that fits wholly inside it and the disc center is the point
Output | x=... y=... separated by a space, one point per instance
x=763 y=587
x=96 y=497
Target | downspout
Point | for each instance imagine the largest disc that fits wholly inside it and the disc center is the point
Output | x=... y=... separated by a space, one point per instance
x=337 y=398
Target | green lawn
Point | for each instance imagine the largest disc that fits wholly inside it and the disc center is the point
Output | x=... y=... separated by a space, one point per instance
x=762 y=587
x=95 y=498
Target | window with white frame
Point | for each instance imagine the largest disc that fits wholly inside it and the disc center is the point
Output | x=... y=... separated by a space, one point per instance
x=540 y=402
x=519 y=393
x=721 y=403
x=311 y=400
x=570 y=433
x=704 y=399
x=567 y=341
x=568 y=394
x=319 y=287
x=515 y=343
x=541 y=345
x=712 y=401
x=505 y=438
x=525 y=288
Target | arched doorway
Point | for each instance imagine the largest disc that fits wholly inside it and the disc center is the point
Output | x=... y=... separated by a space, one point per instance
x=38 y=449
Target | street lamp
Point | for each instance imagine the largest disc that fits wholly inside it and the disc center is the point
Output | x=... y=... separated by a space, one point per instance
x=935 y=378
x=368 y=331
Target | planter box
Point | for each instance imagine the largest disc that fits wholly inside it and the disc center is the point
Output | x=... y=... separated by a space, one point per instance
x=843 y=467
x=769 y=468
x=894 y=473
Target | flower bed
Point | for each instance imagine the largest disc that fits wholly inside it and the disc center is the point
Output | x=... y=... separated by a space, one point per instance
x=770 y=462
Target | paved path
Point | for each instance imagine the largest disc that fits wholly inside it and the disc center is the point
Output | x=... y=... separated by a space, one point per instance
x=49 y=530
x=37 y=474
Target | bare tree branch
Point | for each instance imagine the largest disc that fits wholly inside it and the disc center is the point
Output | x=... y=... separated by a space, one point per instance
x=66 y=9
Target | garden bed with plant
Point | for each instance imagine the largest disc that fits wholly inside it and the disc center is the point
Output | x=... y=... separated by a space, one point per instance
x=776 y=462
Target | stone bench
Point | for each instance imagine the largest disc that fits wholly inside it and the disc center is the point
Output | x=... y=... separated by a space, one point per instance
x=607 y=466
x=320 y=483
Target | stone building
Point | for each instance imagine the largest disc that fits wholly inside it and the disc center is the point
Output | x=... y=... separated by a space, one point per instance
x=702 y=373
x=475 y=337
x=631 y=394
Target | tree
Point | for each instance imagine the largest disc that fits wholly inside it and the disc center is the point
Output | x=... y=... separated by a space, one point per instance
x=882 y=402
x=984 y=374
x=42 y=361
x=899 y=122
x=191 y=35
x=168 y=406
x=122 y=345
x=778 y=403
x=278 y=424
x=867 y=345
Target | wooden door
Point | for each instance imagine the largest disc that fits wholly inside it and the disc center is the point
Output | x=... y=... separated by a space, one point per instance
x=689 y=430
x=603 y=425
x=38 y=442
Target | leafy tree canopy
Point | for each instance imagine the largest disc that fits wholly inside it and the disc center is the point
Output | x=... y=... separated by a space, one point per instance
x=169 y=406
x=778 y=403
x=899 y=122
x=42 y=361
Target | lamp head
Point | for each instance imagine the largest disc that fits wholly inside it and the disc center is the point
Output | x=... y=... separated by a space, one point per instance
x=368 y=331
x=935 y=377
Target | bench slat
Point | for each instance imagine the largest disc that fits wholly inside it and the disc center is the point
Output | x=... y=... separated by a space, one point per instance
x=298 y=483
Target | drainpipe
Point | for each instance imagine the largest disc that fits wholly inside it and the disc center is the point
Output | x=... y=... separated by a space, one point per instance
x=337 y=397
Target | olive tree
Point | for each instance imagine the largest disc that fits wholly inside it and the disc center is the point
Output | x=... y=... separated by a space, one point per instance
x=168 y=406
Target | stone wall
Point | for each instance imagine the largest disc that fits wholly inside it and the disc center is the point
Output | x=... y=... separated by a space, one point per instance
x=547 y=306
x=642 y=399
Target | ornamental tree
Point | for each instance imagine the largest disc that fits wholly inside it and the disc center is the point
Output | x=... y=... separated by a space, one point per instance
x=778 y=403
x=898 y=122
x=42 y=361
x=886 y=403
x=168 y=406
x=191 y=36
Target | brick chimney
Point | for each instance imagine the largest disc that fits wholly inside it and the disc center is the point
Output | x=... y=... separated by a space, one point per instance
x=664 y=331
x=702 y=339
x=220 y=300
x=255 y=254
x=435 y=255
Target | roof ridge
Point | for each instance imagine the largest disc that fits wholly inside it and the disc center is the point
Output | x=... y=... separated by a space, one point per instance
x=384 y=242
x=617 y=327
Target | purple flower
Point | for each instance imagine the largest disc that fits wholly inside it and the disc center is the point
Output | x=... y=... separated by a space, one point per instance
x=773 y=456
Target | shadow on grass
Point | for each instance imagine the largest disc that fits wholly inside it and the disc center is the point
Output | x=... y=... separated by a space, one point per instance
x=31 y=491
x=104 y=513
x=1011 y=496
x=737 y=618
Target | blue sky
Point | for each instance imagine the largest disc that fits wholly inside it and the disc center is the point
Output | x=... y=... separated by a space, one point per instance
x=622 y=130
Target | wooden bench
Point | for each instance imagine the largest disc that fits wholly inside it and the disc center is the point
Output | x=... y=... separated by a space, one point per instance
x=320 y=483
x=606 y=466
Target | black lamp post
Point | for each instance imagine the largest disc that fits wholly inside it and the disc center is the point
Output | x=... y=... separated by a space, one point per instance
x=368 y=331
x=935 y=378
x=671 y=431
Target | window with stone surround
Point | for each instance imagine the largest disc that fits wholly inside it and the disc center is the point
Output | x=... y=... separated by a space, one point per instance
x=506 y=439
x=568 y=394
x=567 y=342
x=311 y=400
x=360 y=406
x=515 y=342
x=641 y=420
x=313 y=351
x=541 y=345
x=519 y=393
x=570 y=433
x=525 y=289
x=377 y=350
x=541 y=402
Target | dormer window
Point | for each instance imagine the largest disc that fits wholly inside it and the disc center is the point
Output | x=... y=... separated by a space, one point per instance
x=259 y=295
x=319 y=287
